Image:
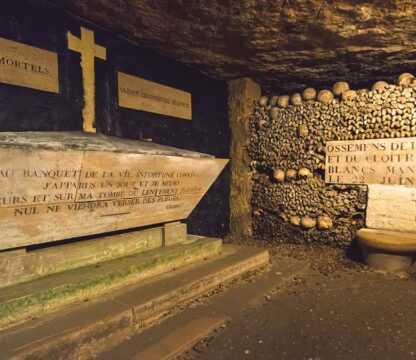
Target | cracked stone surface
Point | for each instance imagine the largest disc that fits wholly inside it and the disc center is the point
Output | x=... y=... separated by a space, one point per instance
x=284 y=45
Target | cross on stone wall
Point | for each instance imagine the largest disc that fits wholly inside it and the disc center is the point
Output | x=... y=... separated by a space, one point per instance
x=89 y=51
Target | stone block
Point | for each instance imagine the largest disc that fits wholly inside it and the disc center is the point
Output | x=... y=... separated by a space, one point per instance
x=174 y=233
x=391 y=208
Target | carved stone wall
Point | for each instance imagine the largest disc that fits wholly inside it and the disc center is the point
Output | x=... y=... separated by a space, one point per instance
x=291 y=202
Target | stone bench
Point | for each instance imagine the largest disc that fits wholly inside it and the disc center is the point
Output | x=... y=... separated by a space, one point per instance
x=390 y=251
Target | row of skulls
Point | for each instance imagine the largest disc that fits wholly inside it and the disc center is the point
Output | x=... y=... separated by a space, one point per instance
x=340 y=89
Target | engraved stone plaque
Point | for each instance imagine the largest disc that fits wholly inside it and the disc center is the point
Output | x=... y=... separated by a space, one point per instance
x=28 y=66
x=140 y=94
x=56 y=186
x=378 y=161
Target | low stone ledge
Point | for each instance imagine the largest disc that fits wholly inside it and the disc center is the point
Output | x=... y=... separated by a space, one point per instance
x=21 y=302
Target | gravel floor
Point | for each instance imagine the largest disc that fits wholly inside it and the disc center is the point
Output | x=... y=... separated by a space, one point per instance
x=339 y=310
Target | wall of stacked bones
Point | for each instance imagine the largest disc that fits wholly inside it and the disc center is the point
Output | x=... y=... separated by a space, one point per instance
x=290 y=200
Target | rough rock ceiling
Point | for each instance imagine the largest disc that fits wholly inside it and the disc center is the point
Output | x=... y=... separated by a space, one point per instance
x=283 y=44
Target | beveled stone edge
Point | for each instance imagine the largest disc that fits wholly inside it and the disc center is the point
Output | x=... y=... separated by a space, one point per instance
x=367 y=237
x=81 y=141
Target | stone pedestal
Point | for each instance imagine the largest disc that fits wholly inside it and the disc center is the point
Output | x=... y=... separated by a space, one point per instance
x=388 y=251
x=388 y=262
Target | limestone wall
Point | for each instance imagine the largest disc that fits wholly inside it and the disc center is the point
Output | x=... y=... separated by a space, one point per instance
x=291 y=202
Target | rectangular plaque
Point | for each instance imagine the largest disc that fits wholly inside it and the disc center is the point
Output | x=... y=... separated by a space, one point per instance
x=51 y=190
x=140 y=94
x=378 y=161
x=28 y=66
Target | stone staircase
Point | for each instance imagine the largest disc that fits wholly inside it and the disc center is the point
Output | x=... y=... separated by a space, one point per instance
x=81 y=312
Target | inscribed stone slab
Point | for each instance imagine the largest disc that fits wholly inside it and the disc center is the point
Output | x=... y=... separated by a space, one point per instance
x=140 y=94
x=28 y=66
x=54 y=188
x=378 y=161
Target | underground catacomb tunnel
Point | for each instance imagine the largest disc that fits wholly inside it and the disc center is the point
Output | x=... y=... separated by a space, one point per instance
x=207 y=179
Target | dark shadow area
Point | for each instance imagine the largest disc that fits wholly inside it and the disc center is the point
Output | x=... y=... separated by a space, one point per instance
x=354 y=253
x=87 y=238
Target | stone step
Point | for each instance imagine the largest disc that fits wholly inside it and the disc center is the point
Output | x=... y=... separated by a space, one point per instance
x=22 y=266
x=24 y=301
x=81 y=330
x=183 y=330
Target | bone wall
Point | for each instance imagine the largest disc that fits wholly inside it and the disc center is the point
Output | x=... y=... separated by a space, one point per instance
x=290 y=201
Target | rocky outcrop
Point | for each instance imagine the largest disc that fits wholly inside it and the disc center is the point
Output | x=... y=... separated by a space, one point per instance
x=281 y=44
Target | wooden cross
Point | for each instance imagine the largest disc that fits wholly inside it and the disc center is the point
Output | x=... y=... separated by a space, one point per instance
x=89 y=51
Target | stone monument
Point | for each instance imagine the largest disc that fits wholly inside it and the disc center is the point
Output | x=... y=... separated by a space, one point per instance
x=56 y=186
x=72 y=199
x=83 y=214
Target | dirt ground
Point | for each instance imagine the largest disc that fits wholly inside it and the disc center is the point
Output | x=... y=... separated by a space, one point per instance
x=339 y=310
